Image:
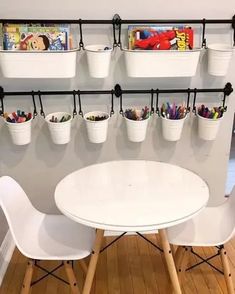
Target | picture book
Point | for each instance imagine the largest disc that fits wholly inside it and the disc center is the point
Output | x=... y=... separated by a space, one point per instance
x=160 y=38
x=35 y=37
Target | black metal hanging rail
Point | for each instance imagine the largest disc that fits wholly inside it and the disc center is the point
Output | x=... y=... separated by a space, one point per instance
x=74 y=93
x=227 y=90
x=120 y=21
x=117 y=22
x=117 y=91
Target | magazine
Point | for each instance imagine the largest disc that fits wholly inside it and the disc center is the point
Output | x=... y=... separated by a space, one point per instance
x=160 y=38
x=36 y=37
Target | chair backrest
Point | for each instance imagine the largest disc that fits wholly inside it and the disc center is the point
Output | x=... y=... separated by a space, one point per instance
x=16 y=207
x=228 y=219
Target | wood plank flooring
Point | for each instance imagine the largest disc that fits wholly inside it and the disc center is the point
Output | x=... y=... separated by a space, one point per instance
x=130 y=266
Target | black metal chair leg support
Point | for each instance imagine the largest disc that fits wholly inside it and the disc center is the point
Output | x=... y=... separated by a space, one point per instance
x=205 y=260
x=49 y=273
x=146 y=239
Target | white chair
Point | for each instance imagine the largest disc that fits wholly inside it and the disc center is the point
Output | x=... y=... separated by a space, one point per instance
x=214 y=226
x=40 y=236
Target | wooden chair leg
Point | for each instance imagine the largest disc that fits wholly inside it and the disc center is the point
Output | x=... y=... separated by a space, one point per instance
x=27 y=278
x=227 y=272
x=170 y=261
x=83 y=266
x=93 y=262
x=71 y=277
x=183 y=263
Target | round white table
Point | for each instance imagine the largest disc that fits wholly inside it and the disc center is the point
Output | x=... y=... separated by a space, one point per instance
x=131 y=195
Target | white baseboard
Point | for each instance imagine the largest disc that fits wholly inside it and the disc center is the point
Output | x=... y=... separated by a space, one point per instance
x=6 y=251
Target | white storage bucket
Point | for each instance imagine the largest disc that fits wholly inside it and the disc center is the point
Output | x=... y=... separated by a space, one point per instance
x=219 y=57
x=46 y=64
x=136 y=129
x=98 y=59
x=20 y=132
x=97 y=130
x=60 y=131
x=208 y=127
x=161 y=63
x=172 y=128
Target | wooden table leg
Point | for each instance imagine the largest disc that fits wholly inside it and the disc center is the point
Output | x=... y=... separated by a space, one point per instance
x=170 y=261
x=93 y=262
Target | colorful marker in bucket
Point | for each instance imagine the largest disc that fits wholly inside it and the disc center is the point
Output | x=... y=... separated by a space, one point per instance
x=18 y=116
x=172 y=111
x=213 y=113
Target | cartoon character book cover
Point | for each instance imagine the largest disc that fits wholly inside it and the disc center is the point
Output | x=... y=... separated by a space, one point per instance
x=160 y=38
x=23 y=37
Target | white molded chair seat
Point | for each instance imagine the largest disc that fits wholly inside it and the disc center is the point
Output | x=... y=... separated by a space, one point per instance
x=211 y=227
x=214 y=226
x=40 y=236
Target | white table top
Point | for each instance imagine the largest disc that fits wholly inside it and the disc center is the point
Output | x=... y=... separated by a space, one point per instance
x=131 y=195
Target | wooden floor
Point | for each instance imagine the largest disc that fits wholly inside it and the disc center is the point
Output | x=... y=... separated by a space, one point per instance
x=130 y=266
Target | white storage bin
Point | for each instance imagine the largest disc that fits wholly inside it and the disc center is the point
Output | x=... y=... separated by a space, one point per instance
x=208 y=127
x=172 y=128
x=60 y=131
x=161 y=63
x=98 y=60
x=136 y=129
x=40 y=64
x=20 y=132
x=97 y=130
x=219 y=57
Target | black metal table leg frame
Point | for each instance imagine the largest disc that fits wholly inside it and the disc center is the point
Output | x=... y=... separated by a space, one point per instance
x=48 y=273
x=146 y=239
x=115 y=240
x=41 y=105
x=1 y=98
x=205 y=260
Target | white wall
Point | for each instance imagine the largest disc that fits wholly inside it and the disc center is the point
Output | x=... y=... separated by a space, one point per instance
x=39 y=166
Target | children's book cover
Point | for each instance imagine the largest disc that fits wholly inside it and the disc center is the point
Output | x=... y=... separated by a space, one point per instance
x=160 y=38
x=26 y=37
